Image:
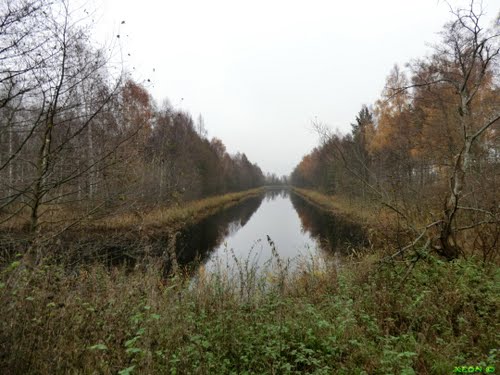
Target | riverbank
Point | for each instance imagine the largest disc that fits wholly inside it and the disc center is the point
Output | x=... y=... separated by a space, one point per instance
x=172 y=217
x=367 y=213
x=383 y=229
x=176 y=217
x=125 y=237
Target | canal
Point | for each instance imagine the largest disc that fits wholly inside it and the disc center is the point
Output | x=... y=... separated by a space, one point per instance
x=279 y=223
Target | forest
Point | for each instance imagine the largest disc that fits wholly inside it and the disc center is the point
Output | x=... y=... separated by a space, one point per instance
x=75 y=134
x=103 y=189
x=428 y=149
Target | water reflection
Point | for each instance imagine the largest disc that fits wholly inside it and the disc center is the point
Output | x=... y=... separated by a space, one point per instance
x=279 y=222
x=197 y=241
x=277 y=193
x=194 y=242
x=275 y=227
x=334 y=233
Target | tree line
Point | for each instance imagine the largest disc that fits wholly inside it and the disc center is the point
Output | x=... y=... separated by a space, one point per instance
x=78 y=131
x=429 y=148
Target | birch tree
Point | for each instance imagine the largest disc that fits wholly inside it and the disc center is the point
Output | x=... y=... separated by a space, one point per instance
x=464 y=62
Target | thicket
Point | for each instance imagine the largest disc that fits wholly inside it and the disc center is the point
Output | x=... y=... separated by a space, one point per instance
x=321 y=319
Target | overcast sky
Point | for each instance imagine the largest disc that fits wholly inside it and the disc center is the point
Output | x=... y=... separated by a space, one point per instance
x=260 y=72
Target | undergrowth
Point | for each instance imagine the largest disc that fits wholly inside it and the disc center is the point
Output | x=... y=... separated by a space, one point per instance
x=354 y=319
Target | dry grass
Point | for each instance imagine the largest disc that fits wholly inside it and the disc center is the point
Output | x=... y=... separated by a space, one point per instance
x=381 y=223
x=57 y=216
x=388 y=229
x=178 y=215
x=360 y=211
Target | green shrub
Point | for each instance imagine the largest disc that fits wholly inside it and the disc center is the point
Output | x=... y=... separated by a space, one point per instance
x=359 y=319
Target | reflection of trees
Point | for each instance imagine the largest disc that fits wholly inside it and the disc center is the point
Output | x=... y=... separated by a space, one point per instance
x=234 y=227
x=198 y=240
x=333 y=232
x=275 y=193
x=127 y=248
x=240 y=222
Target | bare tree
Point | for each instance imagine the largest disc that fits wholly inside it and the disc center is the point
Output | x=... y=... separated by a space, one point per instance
x=54 y=99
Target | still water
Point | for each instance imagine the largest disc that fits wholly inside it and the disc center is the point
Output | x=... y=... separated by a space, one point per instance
x=278 y=221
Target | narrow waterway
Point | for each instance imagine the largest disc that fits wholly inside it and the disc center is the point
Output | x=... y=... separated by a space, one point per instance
x=277 y=223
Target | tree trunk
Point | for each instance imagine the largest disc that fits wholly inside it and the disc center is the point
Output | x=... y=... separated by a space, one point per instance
x=449 y=247
x=43 y=166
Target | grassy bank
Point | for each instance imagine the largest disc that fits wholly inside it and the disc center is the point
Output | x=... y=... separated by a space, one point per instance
x=363 y=212
x=352 y=320
x=127 y=236
x=384 y=229
x=176 y=216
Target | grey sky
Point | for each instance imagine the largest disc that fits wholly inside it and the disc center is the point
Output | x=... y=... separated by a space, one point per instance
x=261 y=71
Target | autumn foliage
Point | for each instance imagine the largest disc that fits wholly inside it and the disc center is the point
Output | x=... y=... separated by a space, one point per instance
x=429 y=147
